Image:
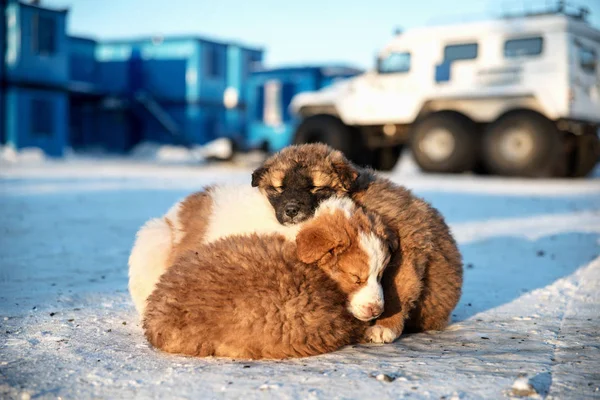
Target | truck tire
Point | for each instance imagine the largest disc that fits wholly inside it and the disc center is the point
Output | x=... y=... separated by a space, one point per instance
x=332 y=131
x=523 y=143
x=386 y=158
x=445 y=142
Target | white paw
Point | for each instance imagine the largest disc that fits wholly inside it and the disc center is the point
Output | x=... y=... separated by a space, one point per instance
x=380 y=334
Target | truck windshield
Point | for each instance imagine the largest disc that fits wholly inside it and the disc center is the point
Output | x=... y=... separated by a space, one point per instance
x=394 y=63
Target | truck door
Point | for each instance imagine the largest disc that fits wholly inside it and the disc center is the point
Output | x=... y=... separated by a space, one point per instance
x=585 y=80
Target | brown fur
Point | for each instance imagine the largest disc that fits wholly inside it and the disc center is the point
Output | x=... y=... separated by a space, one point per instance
x=423 y=281
x=330 y=241
x=252 y=297
x=193 y=216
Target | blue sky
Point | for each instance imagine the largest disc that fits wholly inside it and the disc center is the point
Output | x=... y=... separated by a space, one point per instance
x=298 y=32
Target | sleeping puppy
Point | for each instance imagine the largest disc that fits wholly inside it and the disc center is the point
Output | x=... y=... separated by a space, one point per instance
x=263 y=296
x=423 y=282
x=202 y=218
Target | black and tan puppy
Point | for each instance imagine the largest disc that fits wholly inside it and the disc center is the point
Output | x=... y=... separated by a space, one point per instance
x=423 y=281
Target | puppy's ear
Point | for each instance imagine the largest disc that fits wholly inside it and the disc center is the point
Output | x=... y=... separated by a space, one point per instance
x=344 y=169
x=316 y=241
x=257 y=175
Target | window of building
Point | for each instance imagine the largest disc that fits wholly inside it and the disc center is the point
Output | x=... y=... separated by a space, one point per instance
x=42 y=121
x=394 y=63
x=587 y=58
x=454 y=52
x=252 y=62
x=523 y=47
x=212 y=61
x=288 y=90
x=43 y=38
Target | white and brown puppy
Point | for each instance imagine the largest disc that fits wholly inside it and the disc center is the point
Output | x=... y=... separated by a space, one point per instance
x=264 y=296
x=222 y=211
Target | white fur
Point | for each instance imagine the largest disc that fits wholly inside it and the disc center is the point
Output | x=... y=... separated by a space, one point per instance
x=242 y=210
x=332 y=204
x=148 y=260
x=172 y=216
x=371 y=293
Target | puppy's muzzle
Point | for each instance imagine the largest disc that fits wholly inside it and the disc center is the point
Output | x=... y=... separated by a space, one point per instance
x=291 y=210
x=292 y=213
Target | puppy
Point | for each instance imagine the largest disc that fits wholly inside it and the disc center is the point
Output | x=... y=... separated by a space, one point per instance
x=263 y=296
x=423 y=282
x=203 y=217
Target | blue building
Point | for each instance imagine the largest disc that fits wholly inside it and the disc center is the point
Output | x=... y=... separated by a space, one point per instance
x=269 y=92
x=166 y=90
x=114 y=94
x=34 y=97
x=58 y=91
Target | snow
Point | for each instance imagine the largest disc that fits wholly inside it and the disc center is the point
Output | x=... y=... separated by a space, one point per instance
x=528 y=317
x=171 y=154
x=28 y=155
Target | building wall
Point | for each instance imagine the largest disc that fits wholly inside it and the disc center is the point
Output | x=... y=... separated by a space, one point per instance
x=35 y=108
x=37 y=118
x=82 y=60
x=29 y=56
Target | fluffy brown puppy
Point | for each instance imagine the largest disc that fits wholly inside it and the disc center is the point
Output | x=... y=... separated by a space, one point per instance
x=423 y=281
x=263 y=296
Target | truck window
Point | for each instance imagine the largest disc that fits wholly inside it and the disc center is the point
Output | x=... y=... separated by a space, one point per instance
x=394 y=63
x=587 y=58
x=466 y=51
x=523 y=47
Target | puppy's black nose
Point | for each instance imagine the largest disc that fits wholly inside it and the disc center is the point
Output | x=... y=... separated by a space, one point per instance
x=291 y=210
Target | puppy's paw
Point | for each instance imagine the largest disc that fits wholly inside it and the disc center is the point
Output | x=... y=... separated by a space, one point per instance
x=379 y=334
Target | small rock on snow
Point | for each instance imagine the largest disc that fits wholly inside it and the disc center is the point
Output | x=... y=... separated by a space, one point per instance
x=384 y=378
x=522 y=388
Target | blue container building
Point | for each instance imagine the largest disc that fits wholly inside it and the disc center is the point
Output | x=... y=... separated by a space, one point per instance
x=58 y=91
x=166 y=90
x=34 y=97
x=269 y=92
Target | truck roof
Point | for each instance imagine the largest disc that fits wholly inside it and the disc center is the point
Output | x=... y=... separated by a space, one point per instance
x=513 y=26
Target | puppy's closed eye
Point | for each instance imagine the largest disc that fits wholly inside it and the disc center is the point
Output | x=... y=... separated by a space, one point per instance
x=321 y=189
x=356 y=279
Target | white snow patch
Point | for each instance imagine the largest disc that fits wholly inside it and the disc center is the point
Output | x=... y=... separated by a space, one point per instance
x=220 y=149
x=531 y=228
x=24 y=156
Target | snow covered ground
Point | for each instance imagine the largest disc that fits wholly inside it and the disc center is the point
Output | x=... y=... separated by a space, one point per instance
x=530 y=306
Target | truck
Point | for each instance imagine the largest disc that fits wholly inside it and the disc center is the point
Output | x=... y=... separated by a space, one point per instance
x=515 y=96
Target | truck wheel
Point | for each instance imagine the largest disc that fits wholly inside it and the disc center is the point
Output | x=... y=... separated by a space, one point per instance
x=333 y=132
x=523 y=143
x=386 y=158
x=445 y=142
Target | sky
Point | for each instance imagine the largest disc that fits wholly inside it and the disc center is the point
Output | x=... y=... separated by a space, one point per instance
x=298 y=32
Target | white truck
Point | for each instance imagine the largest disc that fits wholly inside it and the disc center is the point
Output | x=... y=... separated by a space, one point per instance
x=515 y=96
